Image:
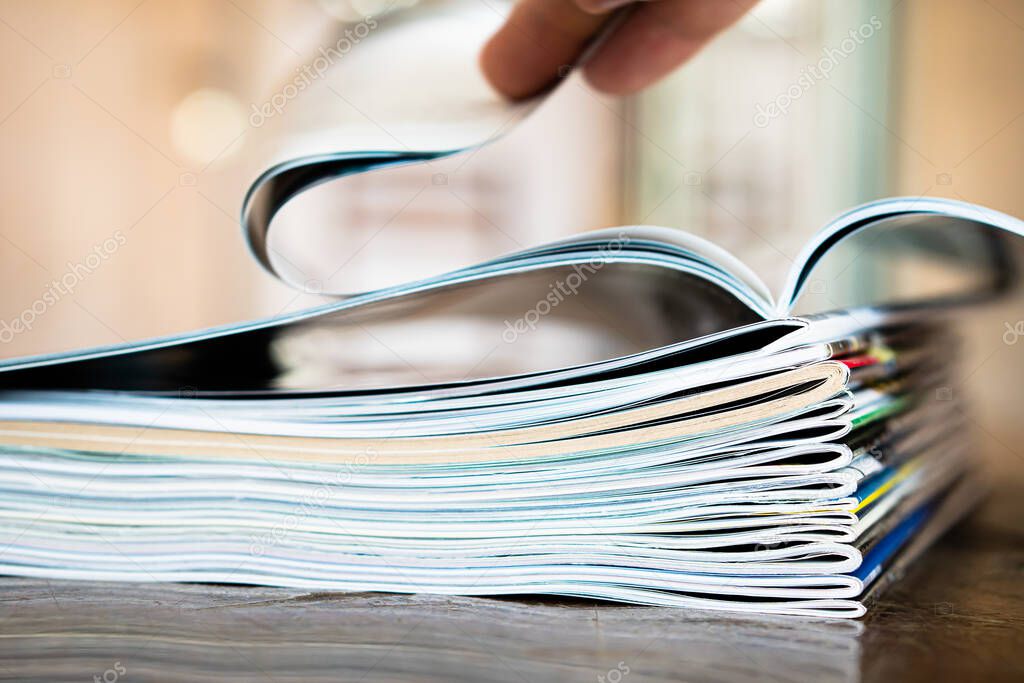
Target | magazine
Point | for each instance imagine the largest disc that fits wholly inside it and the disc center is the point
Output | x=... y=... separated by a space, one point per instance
x=673 y=434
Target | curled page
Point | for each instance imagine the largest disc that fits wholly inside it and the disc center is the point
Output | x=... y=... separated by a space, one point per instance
x=411 y=91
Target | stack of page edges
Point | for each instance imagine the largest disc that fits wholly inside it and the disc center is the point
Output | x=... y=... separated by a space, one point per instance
x=781 y=474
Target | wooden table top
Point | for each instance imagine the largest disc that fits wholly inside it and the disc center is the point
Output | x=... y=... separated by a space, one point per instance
x=958 y=614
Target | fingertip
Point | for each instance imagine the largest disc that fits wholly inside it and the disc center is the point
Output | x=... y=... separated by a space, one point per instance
x=501 y=71
x=535 y=46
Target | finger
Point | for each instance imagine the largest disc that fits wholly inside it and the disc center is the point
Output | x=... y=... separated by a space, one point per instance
x=602 y=6
x=535 y=44
x=657 y=38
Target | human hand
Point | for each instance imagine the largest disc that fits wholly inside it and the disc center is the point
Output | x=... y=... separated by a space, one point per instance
x=540 y=37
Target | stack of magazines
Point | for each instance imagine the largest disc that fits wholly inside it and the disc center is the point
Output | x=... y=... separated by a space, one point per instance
x=738 y=458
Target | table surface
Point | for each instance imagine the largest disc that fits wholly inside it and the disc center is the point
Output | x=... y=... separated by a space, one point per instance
x=958 y=614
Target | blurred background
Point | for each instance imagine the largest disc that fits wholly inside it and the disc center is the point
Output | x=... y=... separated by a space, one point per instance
x=131 y=130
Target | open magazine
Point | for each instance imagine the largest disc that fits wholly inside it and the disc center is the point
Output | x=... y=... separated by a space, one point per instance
x=723 y=453
x=769 y=463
